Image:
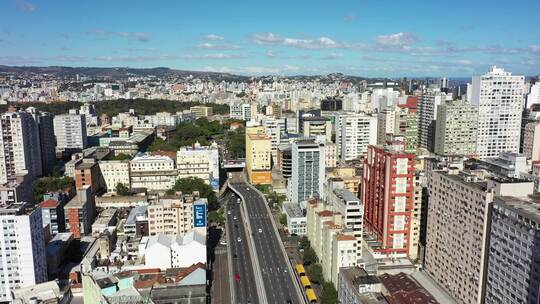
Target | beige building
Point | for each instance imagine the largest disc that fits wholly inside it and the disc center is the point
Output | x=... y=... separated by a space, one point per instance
x=172 y=214
x=531 y=141
x=199 y=161
x=457 y=229
x=348 y=176
x=115 y=172
x=456 y=128
x=153 y=172
x=258 y=155
x=334 y=245
x=330 y=155
x=201 y=111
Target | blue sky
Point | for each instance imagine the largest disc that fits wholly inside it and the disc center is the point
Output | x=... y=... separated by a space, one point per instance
x=357 y=37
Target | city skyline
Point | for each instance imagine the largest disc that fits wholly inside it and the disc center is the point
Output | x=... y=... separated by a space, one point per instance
x=371 y=39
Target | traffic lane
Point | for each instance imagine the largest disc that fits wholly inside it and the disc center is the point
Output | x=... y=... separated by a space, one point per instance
x=245 y=287
x=258 y=214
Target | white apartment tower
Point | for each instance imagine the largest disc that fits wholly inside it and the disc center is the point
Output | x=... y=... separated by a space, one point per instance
x=22 y=249
x=499 y=97
x=70 y=131
x=356 y=133
x=308 y=171
x=20 y=151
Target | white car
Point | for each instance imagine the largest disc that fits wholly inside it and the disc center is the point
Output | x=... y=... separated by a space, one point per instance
x=260 y=230
x=229 y=212
x=234 y=217
x=239 y=239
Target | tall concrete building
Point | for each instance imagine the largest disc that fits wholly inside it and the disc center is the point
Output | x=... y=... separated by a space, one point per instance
x=47 y=143
x=513 y=271
x=199 y=161
x=347 y=204
x=499 y=97
x=22 y=262
x=242 y=111
x=458 y=229
x=428 y=103
x=388 y=209
x=456 y=128
x=531 y=141
x=258 y=155
x=20 y=151
x=308 y=171
x=70 y=131
x=173 y=214
x=354 y=133
x=317 y=126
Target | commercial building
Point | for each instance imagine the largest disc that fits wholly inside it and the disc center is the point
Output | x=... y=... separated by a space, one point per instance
x=20 y=152
x=531 y=141
x=153 y=172
x=70 y=132
x=456 y=128
x=174 y=214
x=308 y=171
x=23 y=261
x=317 y=126
x=387 y=191
x=499 y=97
x=175 y=251
x=45 y=125
x=80 y=213
x=428 y=104
x=354 y=283
x=199 y=161
x=354 y=134
x=458 y=229
x=296 y=219
x=201 y=111
x=115 y=172
x=514 y=251
x=258 y=156
x=242 y=111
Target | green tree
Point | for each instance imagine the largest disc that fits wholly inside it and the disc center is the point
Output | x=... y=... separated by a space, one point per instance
x=121 y=156
x=329 y=294
x=190 y=184
x=122 y=189
x=316 y=273
x=309 y=257
x=217 y=217
x=304 y=243
x=51 y=184
x=236 y=143
x=283 y=219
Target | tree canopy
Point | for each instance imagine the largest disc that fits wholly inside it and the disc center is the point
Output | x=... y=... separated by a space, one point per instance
x=190 y=184
x=186 y=134
x=51 y=184
x=122 y=189
x=329 y=294
x=316 y=273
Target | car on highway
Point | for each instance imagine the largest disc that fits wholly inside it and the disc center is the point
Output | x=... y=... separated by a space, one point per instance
x=247 y=189
x=229 y=212
x=237 y=277
x=238 y=200
x=239 y=239
x=260 y=230
x=234 y=217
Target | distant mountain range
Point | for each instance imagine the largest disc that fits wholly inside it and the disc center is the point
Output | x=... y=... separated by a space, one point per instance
x=161 y=72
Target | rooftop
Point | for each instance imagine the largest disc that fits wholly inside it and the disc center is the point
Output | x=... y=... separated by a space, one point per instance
x=293 y=210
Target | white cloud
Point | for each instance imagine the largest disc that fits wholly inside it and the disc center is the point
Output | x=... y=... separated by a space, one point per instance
x=317 y=43
x=25 y=6
x=138 y=36
x=214 y=37
x=535 y=48
x=212 y=46
x=223 y=56
x=401 y=39
x=266 y=38
x=332 y=56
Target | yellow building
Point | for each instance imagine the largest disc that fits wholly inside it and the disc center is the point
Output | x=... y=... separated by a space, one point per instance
x=258 y=155
x=348 y=176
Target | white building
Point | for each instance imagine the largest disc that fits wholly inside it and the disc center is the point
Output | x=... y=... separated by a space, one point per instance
x=115 y=172
x=199 y=161
x=70 y=131
x=308 y=171
x=20 y=151
x=273 y=128
x=499 y=97
x=175 y=251
x=296 y=219
x=153 y=172
x=356 y=133
x=242 y=111
x=346 y=203
x=22 y=249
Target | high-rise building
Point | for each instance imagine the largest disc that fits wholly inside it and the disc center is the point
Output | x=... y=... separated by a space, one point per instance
x=242 y=111
x=308 y=171
x=20 y=151
x=513 y=270
x=22 y=261
x=531 y=141
x=317 y=126
x=458 y=229
x=173 y=214
x=80 y=213
x=347 y=204
x=199 y=161
x=70 y=131
x=354 y=133
x=45 y=124
x=499 y=97
x=258 y=155
x=387 y=191
x=428 y=103
x=456 y=128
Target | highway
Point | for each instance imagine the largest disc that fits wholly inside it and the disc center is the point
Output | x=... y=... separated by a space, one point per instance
x=279 y=283
x=243 y=278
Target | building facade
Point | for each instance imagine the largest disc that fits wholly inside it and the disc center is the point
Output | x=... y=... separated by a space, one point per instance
x=308 y=171
x=70 y=131
x=456 y=128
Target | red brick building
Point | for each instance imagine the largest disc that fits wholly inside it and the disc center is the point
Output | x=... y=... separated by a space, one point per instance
x=387 y=191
